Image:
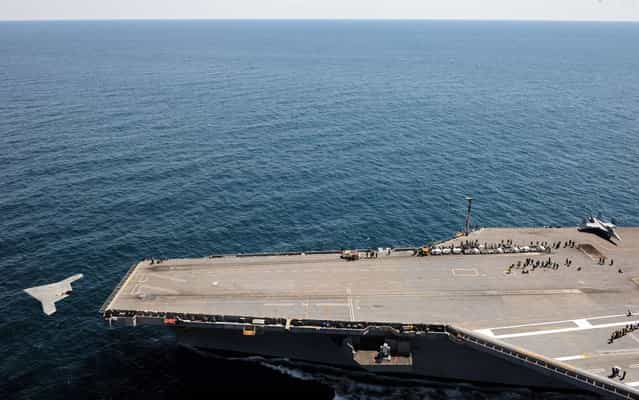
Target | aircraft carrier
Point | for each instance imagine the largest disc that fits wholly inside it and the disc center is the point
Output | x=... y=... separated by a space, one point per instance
x=546 y=308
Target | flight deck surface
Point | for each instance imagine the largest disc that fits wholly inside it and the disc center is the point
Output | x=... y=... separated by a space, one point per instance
x=566 y=313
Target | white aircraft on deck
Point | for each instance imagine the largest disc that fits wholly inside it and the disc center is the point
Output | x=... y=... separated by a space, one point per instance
x=599 y=227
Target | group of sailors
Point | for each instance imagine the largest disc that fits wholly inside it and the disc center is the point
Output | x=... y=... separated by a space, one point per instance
x=474 y=247
x=619 y=333
x=602 y=261
x=617 y=373
x=506 y=244
x=569 y=243
x=372 y=253
x=534 y=264
x=155 y=261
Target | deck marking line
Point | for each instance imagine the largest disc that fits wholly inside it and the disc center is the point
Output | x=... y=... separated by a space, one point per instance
x=635 y=383
x=608 y=316
x=564 y=330
x=618 y=351
x=332 y=304
x=279 y=304
x=486 y=332
x=351 y=309
x=633 y=366
x=166 y=277
x=465 y=272
x=134 y=289
x=582 y=323
x=556 y=322
x=171 y=291
x=570 y=358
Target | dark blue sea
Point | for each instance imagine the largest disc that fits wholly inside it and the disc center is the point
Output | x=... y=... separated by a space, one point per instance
x=124 y=140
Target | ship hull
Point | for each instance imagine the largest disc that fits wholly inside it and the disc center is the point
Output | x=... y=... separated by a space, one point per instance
x=433 y=356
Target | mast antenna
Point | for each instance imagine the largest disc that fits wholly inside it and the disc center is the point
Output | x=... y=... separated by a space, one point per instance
x=467 y=226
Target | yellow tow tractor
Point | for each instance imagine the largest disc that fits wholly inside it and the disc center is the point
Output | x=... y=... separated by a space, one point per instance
x=423 y=251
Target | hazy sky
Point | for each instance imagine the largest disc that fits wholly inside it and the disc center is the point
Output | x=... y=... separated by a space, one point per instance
x=605 y=10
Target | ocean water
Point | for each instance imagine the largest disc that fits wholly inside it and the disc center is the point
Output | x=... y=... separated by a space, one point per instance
x=124 y=140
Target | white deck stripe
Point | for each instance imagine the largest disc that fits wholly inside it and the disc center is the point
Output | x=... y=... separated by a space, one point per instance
x=582 y=323
x=570 y=358
x=134 y=291
x=533 y=324
x=170 y=278
x=564 y=330
x=608 y=316
x=160 y=289
x=556 y=322
x=351 y=309
x=465 y=272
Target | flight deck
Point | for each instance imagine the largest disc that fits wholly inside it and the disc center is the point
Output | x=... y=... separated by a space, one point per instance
x=556 y=292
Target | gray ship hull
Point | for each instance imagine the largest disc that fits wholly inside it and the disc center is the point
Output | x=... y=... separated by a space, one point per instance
x=433 y=356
